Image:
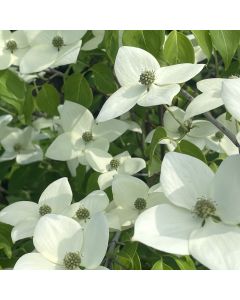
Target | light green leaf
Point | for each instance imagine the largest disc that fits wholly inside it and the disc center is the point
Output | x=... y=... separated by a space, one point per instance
x=186 y=147
x=226 y=43
x=160 y=265
x=185 y=263
x=149 y=40
x=77 y=89
x=178 y=49
x=204 y=41
x=5 y=239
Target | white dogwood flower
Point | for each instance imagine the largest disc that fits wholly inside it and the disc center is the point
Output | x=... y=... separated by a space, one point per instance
x=143 y=82
x=51 y=48
x=105 y=163
x=62 y=244
x=19 y=144
x=86 y=209
x=82 y=134
x=230 y=95
x=24 y=215
x=13 y=46
x=132 y=196
x=194 y=131
x=198 y=198
x=219 y=142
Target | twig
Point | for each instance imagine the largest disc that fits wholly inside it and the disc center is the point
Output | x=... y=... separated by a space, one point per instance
x=215 y=122
x=111 y=248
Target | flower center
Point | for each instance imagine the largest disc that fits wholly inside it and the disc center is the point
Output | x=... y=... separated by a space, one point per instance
x=17 y=147
x=147 y=78
x=58 y=42
x=204 y=208
x=114 y=164
x=185 y=127
x=44 y=210
x=140 y=204
x=11 y=45
x=72 y=260
x=218 y=136
x=82 y=213
x=87 y=136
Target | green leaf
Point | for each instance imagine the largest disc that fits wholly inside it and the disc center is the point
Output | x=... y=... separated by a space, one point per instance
x=149 y=40
x=154 y=165
x=77 y=89
x=111 y=43
x=5 y=239
x=28 y=106
x=158 y=135
x=178 y=49
x=226 y=43
x=104 y=79
x=204 y=41
x=188 y=148
x=160 y=265
x=185 y=263
x=48 y=100
x=12 y=89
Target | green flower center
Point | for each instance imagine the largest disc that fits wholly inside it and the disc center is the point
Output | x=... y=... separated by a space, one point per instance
x=147 y=78
x=44 y=210
x=58 y=42
x=82 y=213
x=11 y=45
x=204 y=208
x=140 y=204
x=87 y=136
x=17 y=147
x=218 y=136
x=185 y=127
x=114 y=164
x=72 y=261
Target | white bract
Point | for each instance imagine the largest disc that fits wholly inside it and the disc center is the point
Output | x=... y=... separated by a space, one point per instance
x=221 y=143
x=194 y=131
x=210 y=98
x=24 y=215
x=51 y=48
x=13 y=46
x=19 y=144
x=131 y=196
x=231 y=95
x=188 y=225
x=4 y=128
x=62 y=244
x=82 y=134
x=86 y=209
x=105 y=163
x=93 y=43
x=143 y=82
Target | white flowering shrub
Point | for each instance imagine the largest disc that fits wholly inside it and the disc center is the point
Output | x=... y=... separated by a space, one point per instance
x=119 y=150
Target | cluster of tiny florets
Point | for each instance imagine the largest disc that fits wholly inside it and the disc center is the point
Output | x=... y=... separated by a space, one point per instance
x=44 y=210
x=11 y=45
x=58 y=42
x=140 y=204
x=204 y=208
x=147 y=78
x=82 y=213
x=87 y=136
x=72 y=261
x=114 y=164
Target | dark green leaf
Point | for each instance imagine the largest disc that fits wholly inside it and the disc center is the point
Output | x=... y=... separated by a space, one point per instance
x=48 y=99
x=76 y=89
x=190 y=149
x=104 y=79
x=5 y=239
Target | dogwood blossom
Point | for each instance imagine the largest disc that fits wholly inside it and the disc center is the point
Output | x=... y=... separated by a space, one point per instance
x=24 y=215
x=86 y=209
x=13 y=46
x=143 y=82
x=19 y=144
x=131 y=196
x=81 y=134
x=194 y=131
x=199 y=199
x=51 y=48
x=105 y=163
x=62 y=244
